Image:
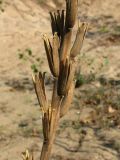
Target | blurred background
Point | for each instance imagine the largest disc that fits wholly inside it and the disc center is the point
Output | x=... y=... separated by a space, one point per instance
x=91 y=129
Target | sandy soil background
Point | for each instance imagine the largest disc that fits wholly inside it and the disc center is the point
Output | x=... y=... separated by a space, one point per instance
x=91 y=129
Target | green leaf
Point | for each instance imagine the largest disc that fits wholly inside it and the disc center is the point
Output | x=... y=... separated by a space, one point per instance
x=117 y=28
x=106 y=61
x=80 y=80
x=38 y=59
x=21 y=56
x=29 y=51
x=34 y=68
x=104 y=29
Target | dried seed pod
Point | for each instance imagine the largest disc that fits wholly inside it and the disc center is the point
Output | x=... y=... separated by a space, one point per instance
x=62 y=79
x=40 y=90
x=71 y=13
x=55 y=54
x=71 y=76
x=53 y=23
x=56 y=102
x=60 y=19
x=66 y=102
x=52 y=54
x=62 y=24
x=65 y=78
x=79 y=40
x=65 y=48
x=48 y=49
x=58 y=22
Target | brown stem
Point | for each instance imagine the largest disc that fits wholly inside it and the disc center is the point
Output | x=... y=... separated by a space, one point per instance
x=46 y=149
x=54 y=118
x=47 y=145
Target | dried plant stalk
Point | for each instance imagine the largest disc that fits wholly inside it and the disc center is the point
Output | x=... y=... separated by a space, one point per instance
x=47 y=145
x=61 y=62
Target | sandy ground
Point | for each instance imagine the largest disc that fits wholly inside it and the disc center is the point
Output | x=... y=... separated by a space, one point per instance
x=21 y=26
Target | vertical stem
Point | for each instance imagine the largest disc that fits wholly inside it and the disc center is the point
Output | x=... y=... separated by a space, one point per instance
x=55 y=114
x=46 y=149
x=47 y=146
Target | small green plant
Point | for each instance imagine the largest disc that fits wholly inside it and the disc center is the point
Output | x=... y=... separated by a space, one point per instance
x=104 y=29
x=116 y=30
x=90 y=63
x=80 y=79
x=106 y=61
x=27 y=56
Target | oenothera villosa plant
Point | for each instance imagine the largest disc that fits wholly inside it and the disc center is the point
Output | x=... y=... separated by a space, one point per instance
x=61 y=56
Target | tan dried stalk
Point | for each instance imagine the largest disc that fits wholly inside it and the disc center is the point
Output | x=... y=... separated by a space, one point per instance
x=60 y=55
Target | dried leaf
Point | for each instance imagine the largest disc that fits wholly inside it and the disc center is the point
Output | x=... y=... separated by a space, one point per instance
x=111 y=109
